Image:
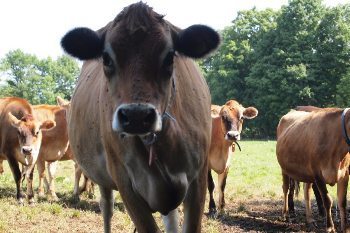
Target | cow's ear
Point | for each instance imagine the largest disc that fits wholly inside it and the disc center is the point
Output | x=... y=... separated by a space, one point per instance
x=47 y=125
x=13 y=120
x=250 y=113
x=83 y=43
x=62 y=102
x=197 y=41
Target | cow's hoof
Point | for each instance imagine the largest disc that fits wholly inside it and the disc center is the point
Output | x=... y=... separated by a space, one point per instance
x=20 y=201
x=312 y=225
x=212 y=213
x=31 y=202
x=41 y=194
x=53 y=198
x=331 y=230
x=75 y=198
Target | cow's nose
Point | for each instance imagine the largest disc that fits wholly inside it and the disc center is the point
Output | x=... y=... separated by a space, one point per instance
x=26 y=150
x=233 y=135
x=137 y=118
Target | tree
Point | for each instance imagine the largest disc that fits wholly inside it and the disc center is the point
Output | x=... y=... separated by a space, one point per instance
x=280 y=79
x=38 y=80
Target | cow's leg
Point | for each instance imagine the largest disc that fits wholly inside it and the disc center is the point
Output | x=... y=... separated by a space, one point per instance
x=194 y=204
x=342 y=186
x=17 y=176
x=41 y=170
x=318 y=200
x=291 y=196
x=106 y=205
x=222 y=184
x=285 y=187
x=52 y=168
x=78 y=173
x=211 y=186
x=29 y=177
x=171 y=222
x=1 y=166
x=89 y=186
x=308 y=210
x=327 y=202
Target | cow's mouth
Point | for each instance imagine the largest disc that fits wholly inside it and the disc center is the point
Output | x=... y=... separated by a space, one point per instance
x=148 y=140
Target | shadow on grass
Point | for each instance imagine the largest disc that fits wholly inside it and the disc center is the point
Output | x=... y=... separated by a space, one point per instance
x=6 y=192
x=266 y=216
x=68 y=200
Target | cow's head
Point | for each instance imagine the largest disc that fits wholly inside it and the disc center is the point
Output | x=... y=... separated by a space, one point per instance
x=29 y=135
x=232 y=115
x=139 y=51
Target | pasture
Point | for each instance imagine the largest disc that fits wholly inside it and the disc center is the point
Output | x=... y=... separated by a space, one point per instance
x=253 y=201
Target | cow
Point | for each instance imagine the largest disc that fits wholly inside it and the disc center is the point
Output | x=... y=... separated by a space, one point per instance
x=293 y=185
x=139 y=120
x=227 y=122
x=312 y=149
x=55 y=147
x=20 y=138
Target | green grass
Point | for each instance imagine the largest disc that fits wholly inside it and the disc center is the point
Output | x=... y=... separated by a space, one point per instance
x=253 y=200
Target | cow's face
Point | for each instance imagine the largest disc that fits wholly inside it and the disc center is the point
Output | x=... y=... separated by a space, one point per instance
x=29 y=136
x=232 y=115
x=138 y=52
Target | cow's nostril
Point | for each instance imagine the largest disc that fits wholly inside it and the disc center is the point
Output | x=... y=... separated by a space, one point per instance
x=123 y=117
x=149 y=117
x=27 y=151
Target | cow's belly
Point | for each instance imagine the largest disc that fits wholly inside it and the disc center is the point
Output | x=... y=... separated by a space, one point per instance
x=296 y=167
x=219 y=162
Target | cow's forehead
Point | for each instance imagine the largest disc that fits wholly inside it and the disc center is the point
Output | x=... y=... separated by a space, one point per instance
x=232 y=108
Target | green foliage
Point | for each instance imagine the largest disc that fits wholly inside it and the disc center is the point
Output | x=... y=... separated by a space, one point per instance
x=38 y=80
x=277 y=60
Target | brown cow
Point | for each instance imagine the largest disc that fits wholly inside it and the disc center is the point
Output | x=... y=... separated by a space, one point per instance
x=294 y=185
x=227 y=122
x=140 y=116
x=312 y=149
x=20 y=137
x=55 y=147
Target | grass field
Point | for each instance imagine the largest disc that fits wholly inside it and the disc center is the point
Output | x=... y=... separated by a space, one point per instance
x=253 y=199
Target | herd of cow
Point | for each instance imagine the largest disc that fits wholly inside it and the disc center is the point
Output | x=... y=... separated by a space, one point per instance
x=139 y=122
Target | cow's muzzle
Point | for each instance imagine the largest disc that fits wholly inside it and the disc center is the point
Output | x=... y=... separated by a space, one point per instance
x=136 y=119
x=27 y=150
x=233 y=135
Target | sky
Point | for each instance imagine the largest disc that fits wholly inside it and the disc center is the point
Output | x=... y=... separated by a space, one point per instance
x=36 y=26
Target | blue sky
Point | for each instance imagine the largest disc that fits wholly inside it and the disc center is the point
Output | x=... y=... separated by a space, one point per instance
x=36 y=26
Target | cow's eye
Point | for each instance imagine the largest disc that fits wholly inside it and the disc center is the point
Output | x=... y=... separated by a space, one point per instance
x=107 y=60
x=169 y=59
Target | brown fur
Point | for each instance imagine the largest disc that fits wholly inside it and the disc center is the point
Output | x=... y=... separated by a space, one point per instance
x=226 y=118
x=310 y=148
x=20 y=134
x=178 y=174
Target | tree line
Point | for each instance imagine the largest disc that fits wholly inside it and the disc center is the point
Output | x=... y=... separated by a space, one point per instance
x=274 y=60
x=277 y=60
x=38 y=80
